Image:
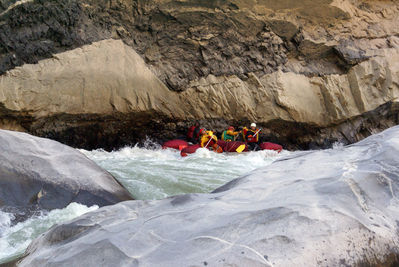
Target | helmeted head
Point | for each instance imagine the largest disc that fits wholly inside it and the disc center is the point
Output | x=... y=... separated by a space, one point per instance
x=202 y=131
x=230 y=128
x=253 y=125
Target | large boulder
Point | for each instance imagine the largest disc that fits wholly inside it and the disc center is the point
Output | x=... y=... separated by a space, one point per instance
x=336 y=207
x=41 y=173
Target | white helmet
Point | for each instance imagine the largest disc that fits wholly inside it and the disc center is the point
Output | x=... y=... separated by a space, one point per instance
x=253 y=124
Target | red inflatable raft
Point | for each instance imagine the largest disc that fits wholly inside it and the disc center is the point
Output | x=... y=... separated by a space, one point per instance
x=271 y=146
x=176 y=144
x=189 y=150
x=231 y=146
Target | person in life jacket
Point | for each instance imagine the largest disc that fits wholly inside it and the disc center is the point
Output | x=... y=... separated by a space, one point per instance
x=229 y=134
x=209 y=140
x=193 y=133
x=202 y=131
x=251 y=136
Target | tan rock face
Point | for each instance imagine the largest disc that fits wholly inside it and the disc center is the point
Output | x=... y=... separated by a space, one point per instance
x=103 y=78
x=302 y=69
x=319 y=101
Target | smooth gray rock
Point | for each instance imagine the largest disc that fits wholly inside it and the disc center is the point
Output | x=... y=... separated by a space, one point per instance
x=336 y=207
x=46 y=174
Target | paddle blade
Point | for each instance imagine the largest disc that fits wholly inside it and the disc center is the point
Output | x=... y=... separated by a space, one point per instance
x=240 y=148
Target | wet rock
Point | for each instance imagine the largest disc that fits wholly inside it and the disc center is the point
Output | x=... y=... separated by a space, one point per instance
x=321 y=208
x=45 y=174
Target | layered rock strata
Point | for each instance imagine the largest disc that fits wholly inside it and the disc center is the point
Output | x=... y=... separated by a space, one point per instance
x=88 y=97
x=335 y=207
x=312 y=73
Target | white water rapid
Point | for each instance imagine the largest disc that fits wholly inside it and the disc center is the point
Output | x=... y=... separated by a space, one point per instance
x=334 y=207
x=15 y=238
x=156 y=174
x=148 y=174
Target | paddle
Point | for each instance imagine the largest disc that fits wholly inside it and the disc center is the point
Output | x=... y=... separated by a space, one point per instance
x=257 y=132
x=218 y=148
x=240 y=148
x=210 y=139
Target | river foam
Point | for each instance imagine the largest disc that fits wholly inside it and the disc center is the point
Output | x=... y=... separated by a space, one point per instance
x=157 y=173
x=148 y=173
x=15 y=238
x=329 y=207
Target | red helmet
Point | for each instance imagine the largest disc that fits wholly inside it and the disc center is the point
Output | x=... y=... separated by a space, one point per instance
x=202 y=131
x=230 y=128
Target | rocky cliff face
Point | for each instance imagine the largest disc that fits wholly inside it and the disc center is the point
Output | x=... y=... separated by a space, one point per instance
x=89 y=73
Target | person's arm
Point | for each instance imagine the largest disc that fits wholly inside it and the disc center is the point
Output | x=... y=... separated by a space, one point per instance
x=244 y=133
x=214 y=137
x=202 y=142
x=230 y=132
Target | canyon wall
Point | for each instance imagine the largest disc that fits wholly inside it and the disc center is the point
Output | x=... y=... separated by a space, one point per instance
x=110 y=73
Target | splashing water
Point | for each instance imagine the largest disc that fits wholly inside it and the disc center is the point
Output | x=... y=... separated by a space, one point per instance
x=15 y=238
x=157 y=173
x=148 y=173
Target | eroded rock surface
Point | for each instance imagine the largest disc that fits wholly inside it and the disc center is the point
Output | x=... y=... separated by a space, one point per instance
x=308 y=67
x=100 y=90
x=41 y=173
x=322 y=208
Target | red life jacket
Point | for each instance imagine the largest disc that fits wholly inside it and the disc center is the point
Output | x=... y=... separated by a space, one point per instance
x=197 y=132
x=190 y=132
x=250 y=136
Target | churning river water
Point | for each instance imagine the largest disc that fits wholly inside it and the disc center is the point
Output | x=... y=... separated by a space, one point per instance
x=148 y=174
